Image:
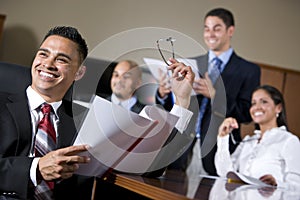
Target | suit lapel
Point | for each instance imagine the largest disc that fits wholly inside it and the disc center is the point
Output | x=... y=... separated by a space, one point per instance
x=231 y=66
x=66 y=127
x=19 y=109
x=202 y=63
x=20 y=113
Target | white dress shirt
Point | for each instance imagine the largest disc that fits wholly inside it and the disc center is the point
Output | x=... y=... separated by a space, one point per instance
x=277 y=154
x=34 y=101
x=125 y=104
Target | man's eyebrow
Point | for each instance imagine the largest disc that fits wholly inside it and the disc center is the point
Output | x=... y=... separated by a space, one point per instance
x=217 y=25
x=59 y=54
x=42 y=49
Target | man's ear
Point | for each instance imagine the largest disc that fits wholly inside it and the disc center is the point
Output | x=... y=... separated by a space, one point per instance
x=231 y=31
x=80 y=73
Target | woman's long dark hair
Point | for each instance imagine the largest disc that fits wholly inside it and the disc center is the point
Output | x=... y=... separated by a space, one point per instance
x=277 y=97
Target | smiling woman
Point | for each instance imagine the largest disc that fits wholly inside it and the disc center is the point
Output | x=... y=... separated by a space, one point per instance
x=268 y=108
x=271 y=155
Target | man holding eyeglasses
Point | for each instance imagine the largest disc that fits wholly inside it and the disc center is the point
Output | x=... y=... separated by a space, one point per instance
x=237 y=79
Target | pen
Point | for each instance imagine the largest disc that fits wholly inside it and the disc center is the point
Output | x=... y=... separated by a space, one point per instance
x=230 y=180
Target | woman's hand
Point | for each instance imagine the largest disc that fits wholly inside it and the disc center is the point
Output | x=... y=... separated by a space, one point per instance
x=268 y=179
x=227 y=126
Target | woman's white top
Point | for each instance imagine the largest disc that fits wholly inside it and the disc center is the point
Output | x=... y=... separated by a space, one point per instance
x=277 y=153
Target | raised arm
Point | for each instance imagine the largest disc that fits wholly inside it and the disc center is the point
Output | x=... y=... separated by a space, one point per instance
x=182 y=82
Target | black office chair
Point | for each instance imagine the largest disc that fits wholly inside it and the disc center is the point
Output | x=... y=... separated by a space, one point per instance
x=14 y=78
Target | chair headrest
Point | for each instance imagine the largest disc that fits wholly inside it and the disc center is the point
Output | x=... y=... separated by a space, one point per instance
x=16 y=78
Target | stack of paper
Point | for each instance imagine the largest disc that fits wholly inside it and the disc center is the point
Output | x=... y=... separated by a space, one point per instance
x=121 y=139
x=236 y=177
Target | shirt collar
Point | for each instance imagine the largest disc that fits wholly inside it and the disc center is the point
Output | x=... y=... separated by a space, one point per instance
x=224 y=56
x=258 y=132
x=35 y=100
x=126 y=104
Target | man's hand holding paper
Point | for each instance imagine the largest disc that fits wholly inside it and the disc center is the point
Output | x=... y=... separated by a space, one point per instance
x=129 y=142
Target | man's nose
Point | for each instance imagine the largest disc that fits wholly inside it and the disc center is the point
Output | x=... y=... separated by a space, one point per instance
x=48 y=63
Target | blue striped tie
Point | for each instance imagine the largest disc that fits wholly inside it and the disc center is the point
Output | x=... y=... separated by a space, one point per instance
x=213 y=75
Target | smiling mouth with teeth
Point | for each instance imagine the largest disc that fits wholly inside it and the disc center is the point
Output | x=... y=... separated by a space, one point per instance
x=258 y=113
x=45 y=74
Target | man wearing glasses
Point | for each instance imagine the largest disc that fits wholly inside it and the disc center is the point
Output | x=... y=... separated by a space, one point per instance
x=236 y=80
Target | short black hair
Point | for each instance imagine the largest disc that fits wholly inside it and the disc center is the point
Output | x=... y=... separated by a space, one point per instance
x=223 y=14
x=72 y=34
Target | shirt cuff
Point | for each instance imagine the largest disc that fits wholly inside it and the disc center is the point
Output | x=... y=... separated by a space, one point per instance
x=223 y=142
x=184 y=117
x=33 y=168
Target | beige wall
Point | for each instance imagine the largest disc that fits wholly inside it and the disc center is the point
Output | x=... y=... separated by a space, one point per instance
x=266 y=31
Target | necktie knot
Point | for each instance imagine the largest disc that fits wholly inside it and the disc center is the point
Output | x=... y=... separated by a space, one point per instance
x=217 y=59
x=217 y=63
x=46 y=108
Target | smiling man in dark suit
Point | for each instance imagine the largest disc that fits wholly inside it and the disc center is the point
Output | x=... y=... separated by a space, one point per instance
x=31 y=167
x=228 y=96
x=57 y=64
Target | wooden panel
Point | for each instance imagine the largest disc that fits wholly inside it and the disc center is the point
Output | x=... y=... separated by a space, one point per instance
x=247 y=129
x=2 y=19
x=272 y=77
x=292 y=101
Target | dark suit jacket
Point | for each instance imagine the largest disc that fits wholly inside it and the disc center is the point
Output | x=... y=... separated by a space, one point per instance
x=233 y=99
x=15 y=143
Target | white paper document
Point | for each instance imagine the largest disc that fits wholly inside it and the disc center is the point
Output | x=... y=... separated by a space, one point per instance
x=240 y=178
x=121 y=139
x=156 y=65
x=159 y=67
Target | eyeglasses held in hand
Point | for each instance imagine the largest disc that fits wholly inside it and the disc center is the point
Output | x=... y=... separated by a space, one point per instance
x=171 y=40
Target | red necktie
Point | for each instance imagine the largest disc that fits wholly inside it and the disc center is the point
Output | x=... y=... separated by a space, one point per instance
x=45 y=141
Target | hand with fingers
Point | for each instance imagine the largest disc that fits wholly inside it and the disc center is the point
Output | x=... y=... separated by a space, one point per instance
x=204 y=86
x=268 y=179
x=181 y=82
x=227 y=126
x=61 y=163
